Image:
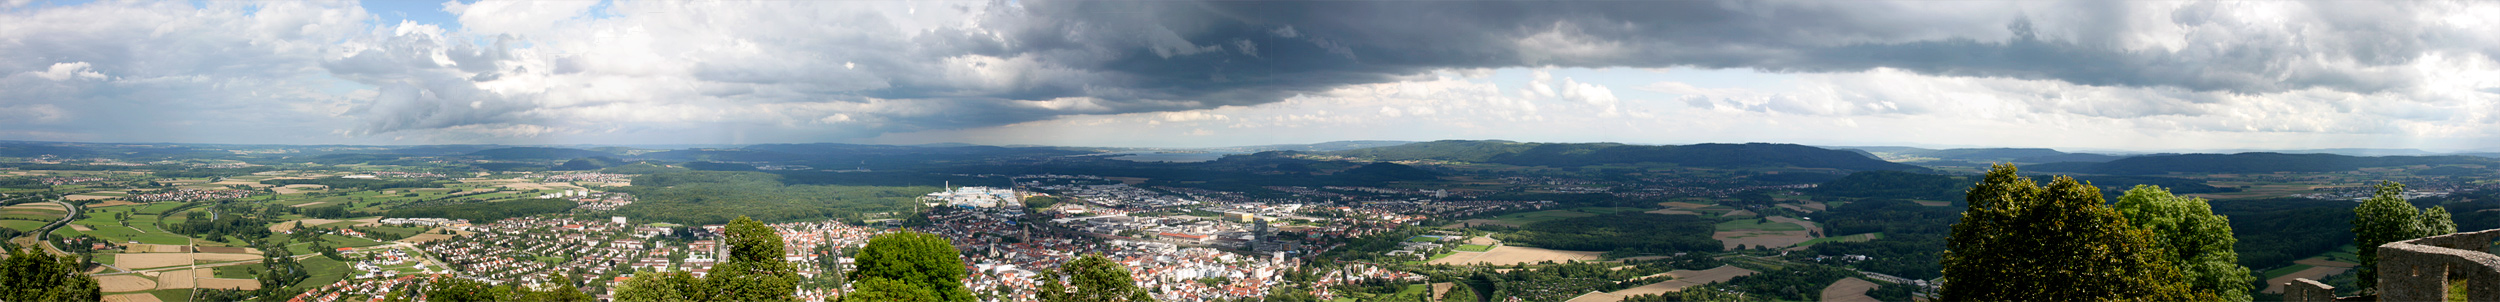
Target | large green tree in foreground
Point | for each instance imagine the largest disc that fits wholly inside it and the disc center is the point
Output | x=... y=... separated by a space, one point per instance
x=2192 y=236
x=1091 y=278
x=909 y=265
x=2019 y=241
x=2385 y=218
x=754 y=271
x=30 y=275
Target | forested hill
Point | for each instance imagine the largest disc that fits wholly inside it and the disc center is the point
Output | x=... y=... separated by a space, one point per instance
x=1572 y=155
x=522 y=153
x=1987 y=155
x=2254 y=162
x=1906 y=185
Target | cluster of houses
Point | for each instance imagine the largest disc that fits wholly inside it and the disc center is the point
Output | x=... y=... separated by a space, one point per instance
x=1005 y=255
x=594 y=201
x=462 y=224
x=189 y=195
x=1169 y=254
x=67 y=180
x=974 y=197
x=367 y=288
x=396 y=174
x=1121 y=195
x=1356 y=273
x=520 y=248
x=590 y=177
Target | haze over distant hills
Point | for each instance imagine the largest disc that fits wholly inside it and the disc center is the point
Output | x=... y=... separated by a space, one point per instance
x=1583 y=154
x=1860 y=158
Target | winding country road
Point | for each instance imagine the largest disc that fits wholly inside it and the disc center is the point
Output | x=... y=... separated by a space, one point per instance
x=45 y=234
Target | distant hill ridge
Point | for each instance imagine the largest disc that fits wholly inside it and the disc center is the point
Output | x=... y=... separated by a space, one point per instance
x=1988 y=155
x=541 y=153
x=1584 y=154
x=2251 y=162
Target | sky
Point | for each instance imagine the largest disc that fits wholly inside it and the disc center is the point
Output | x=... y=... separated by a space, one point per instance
x=2096 y=75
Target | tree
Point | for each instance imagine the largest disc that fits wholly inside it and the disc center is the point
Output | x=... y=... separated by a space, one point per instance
x=879 y=289
x=754 y=271
x=30 y=275
x=662 y=286
x=2385 y=218
x=917 y=260
x=1459 y=292
x=2192 y=236
x=2022 y=242
x=1090 y=278
x=558 y=289
x=465 y=290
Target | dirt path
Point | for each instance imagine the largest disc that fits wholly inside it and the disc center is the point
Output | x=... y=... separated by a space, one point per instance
x=1849 y=290
x=1686 y=278
x=137 y=297
x=2275 y=286
x=124 y=283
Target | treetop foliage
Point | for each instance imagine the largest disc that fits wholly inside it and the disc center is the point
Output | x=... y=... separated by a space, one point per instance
x=2019 y=241
x=1090 y=278
x=915 y=260
x=2192 y=236
x=754 y=271
x=752 y=241
x=31 y=275
x=2386 y=218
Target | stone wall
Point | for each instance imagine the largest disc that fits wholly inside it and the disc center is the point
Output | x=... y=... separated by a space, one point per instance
x=2421 y=269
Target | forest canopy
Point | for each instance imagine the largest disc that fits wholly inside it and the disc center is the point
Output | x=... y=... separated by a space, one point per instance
x=484 y=212
x=1636 y=232
x=713 y=197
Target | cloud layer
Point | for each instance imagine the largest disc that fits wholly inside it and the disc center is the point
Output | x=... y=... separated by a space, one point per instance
x=786 y=71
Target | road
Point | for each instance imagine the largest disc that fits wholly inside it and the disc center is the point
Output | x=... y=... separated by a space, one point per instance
x=45 y=234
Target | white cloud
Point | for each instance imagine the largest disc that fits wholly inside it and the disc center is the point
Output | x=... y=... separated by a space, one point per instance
x=65 y=71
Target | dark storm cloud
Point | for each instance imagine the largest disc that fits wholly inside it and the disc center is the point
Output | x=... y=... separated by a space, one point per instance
x=1339 y=42
x=854 y=69
x=999 y=66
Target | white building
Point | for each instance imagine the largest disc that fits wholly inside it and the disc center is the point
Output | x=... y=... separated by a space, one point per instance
x=976 y=197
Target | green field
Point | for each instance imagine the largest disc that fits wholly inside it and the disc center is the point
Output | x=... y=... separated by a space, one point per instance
x=344 y=241
x=2345 y=254
x=236 y=271
x=35 y=210
x=27 y=216
x=172 y=295
x=21 y=225
x=324 y=271
x=1849 y=238
x=157 y=208
x=2279 y=272
x=1754 y=224
x=142 y=229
